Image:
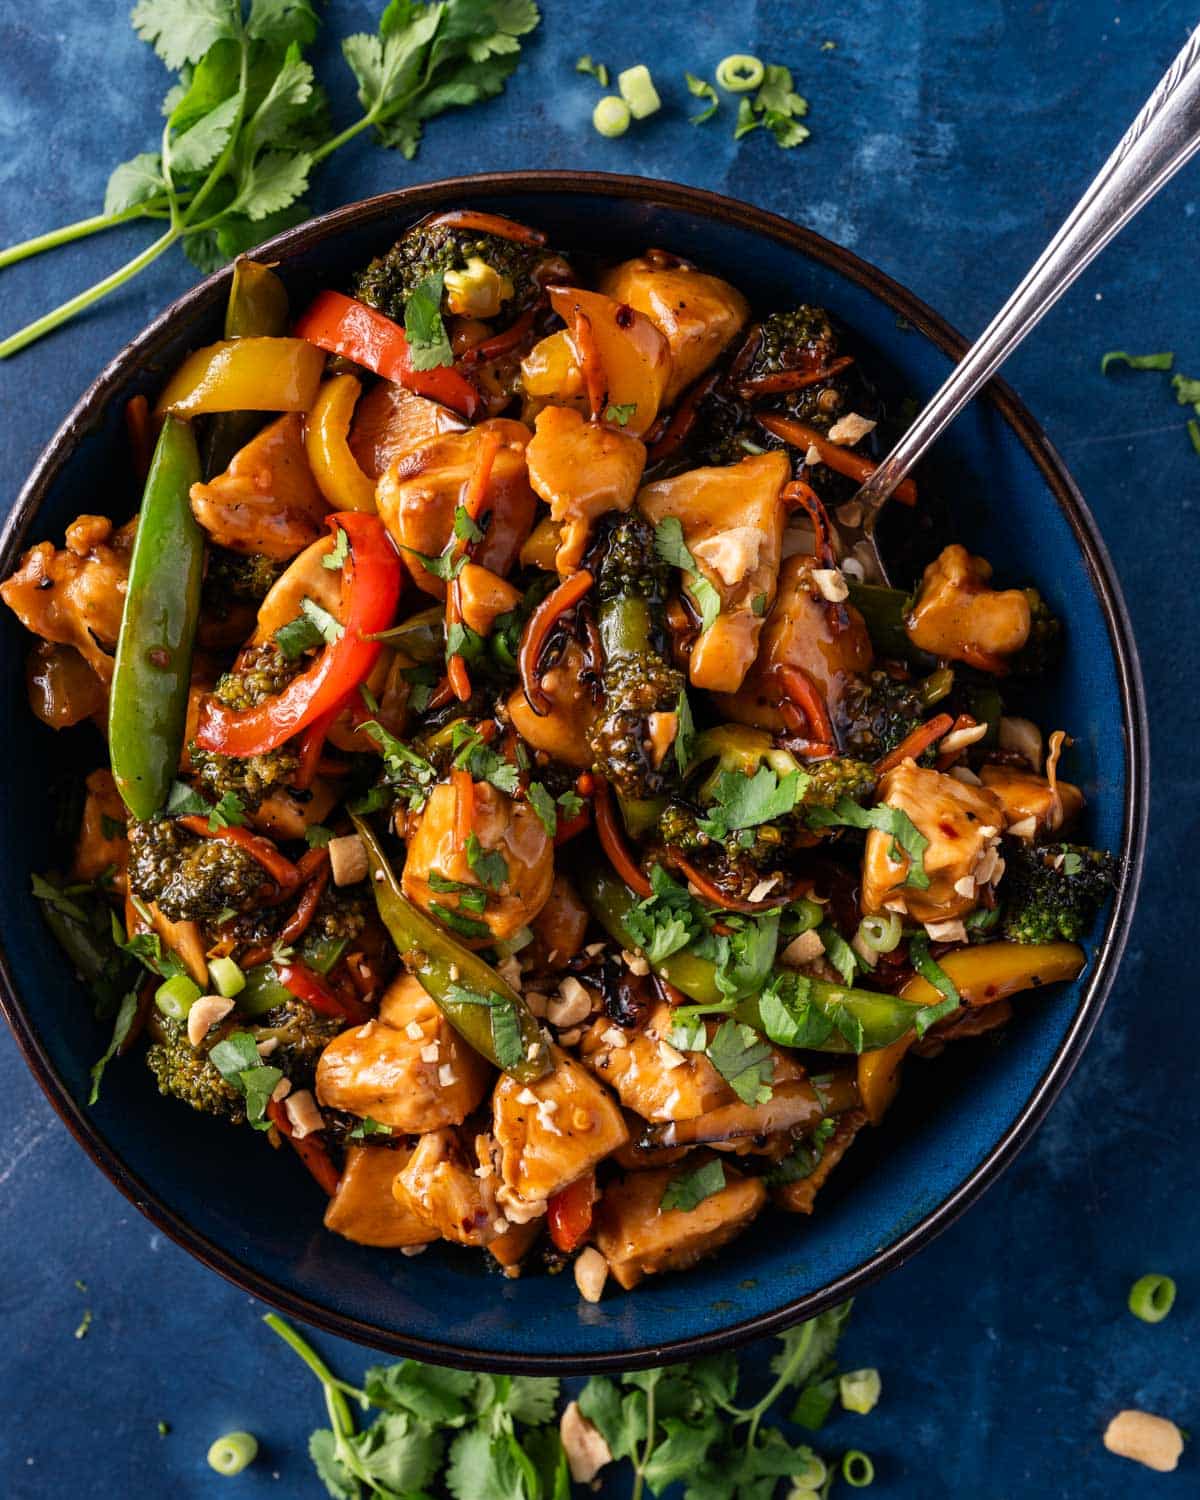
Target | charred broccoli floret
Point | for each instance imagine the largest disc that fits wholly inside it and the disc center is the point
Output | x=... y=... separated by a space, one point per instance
x=261 y=673
x=246 y=578
x=831 y=780
x=300 y=1036
x=802 y=339
x=184 y=1072
x=877 y=711
x=1043 y=649
x=190 y=878
x=747 y=853
x=1054 y=891
x=631 y=591
x=497 y=273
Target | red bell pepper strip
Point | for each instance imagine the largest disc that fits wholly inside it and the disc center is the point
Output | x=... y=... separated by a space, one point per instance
x=371 y=583
x=307 y=985
x=311 y=1149
x=356 y=331
x=569 y=1213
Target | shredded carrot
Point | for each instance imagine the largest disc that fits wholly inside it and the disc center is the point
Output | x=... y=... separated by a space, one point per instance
x=311 y=1150
x=474 y=501
x=612 y=841
x=501 y=343
x=792 y=380
x=682 y=420
x=484 y=223
x=807 y=696
x=537 y=632
x=803 y=495
x=278 y=866
x=567 y=828
x=840 y=460
x=588 y=355
x=137 y=425
x=298 y=923
x=915 y=743
x=717 y=897
x=464 y=806
x=442 y=694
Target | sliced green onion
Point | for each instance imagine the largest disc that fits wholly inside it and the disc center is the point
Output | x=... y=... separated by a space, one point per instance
x=638 y=91
x=881 y=934
x=227 y=977
x=1151 y=1298
x=857 y=1469
x=611 y=116
x=176 y=996
x=230 y=1454
x=506 y=947
x=811 y=1477
x=860 y=1390
x=740 y=72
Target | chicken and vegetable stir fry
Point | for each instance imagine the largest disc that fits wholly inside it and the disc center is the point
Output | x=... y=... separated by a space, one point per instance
x=516 y=801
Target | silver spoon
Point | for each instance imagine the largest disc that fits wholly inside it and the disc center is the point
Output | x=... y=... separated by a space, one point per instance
x=1163 y=137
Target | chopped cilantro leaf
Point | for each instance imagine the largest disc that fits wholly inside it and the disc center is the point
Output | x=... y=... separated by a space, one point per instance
x=457 y=922
x=741 y=801
x=932 y=973
x=689 y=1191
x=368 y=1127
x=543 y=804
x=685 y=733
x=1135 y=361
x=121 y=1028
x=316 y=835
x=428 y=344
x=334 y=559
x=620 y=415
x=744 y=1060
x=465 y=528
x=671 y=547
x=489 y=864
x=894 y=820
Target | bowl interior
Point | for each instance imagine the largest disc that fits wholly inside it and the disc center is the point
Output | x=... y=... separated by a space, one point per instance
x=255 y=1214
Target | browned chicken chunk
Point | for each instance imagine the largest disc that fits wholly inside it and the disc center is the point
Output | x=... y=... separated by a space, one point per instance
x=582 y=470
x=959 y=615
x=267 y=500
x=440 y=1184
x=365 y=1209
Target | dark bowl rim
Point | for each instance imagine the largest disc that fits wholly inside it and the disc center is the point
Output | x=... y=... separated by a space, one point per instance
x=423 y=197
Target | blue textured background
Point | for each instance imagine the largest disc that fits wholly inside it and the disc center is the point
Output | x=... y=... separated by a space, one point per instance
x=949 y=136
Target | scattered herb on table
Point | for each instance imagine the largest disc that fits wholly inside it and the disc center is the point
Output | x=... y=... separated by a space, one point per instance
x=1187 y=390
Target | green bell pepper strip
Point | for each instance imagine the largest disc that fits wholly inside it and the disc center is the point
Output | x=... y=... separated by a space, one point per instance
x=148 y=701
x=884 y=1018
x=263 y=991
x=257 y=308
x=447 y=971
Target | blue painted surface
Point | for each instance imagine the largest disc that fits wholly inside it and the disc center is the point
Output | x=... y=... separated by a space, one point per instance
x=945 y=143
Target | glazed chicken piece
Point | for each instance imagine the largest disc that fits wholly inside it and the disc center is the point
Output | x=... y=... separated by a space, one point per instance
x=798 y=1197
x=484 y=597
x=962 y=824
x=582 y=470
x=699 y=315
x=564 y=732
x=550 y=1132
x=365 y=1209
x=511 y=830
x=267 y=500
x=102 y=844
x=560 y=928
x=305 y=577
x=75 y=595
x=62 y=689
x=439 y=1184
x=732 y=521
x=390 y=421
x=801 y=633
x=959 y=615
x=407 y=1068
x=1027 y=796
x=639 y=1238
x=422 y=489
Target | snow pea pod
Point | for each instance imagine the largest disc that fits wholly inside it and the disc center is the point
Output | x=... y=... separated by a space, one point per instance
x=148 y=701
x=451 y=973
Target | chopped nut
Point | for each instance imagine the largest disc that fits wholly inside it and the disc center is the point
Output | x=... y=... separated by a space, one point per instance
x=965 y=775
x=1153 y=1441
x=636 y=963
x=763 y=889
x=303 y=1115
x=411 y=1250
x=803 y=949
x=850 y=429
x=527 y=1096
x=831 y=584
x=731 y=553
x=594 y=950
x=431 y=1053
x=952 y=931
x=813 y=455
x=347 y=859
x=1024 y=828
x=572 y=1005
x=509 y=970
x=206 y=1012
x=960 y=739
x=965 y=886
x=536 y=1002
x=281 y=1090
x=267 y=1046
x=1021 y=737
x=415 y=1031
x=613 y=1036
x=849 y=513
x=591 y=1272
x=447 y=1076
x=669 y=1056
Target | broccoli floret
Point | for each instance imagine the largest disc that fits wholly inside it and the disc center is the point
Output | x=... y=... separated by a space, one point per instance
x=802 y=339
x=300 y=1036
x=191 y=878
x=744 y=854
x=261 y=673
x=877 y=711
x=1054 y=891
x=631 y=590
x=1043 y=649
x=389 y=281
x=340 y=914
x=831 y=780
x=246 y=578
x=184 y=1072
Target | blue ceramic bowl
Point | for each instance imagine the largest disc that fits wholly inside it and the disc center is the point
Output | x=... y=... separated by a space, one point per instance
x=256 y=1217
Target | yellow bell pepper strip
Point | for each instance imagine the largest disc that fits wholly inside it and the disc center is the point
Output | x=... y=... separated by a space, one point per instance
x=981 y=975
x=485 y=1010
x=257 y=308
x=247 y=374
x=148 y=700
x=333 y=466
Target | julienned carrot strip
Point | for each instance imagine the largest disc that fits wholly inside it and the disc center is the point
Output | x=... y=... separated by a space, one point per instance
x=137 y=425
x=804 y=693
x=543 y=620
x=474 y=502
x=803 y=495
x=311 y=1149
x=713 y=894
x=682 y=420
x=840 y=460
x=793 y=380
x=612 y=841
x=915 y=743
x=278 y=866
x=485 y=223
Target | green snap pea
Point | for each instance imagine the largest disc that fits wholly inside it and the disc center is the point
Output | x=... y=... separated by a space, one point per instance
x=449 y=973
x=148 y=700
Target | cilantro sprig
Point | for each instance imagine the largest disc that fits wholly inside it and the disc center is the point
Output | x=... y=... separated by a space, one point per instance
x=671 y=547
x=247 y=122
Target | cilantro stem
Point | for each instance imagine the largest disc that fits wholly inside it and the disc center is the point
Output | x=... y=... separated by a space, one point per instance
x=639 y=1468
x=154 y=208
x=341 y=1419
x=67 y=310
x=754 y=1414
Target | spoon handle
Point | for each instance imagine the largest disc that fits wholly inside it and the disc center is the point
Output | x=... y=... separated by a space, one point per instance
x=1165 y=134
